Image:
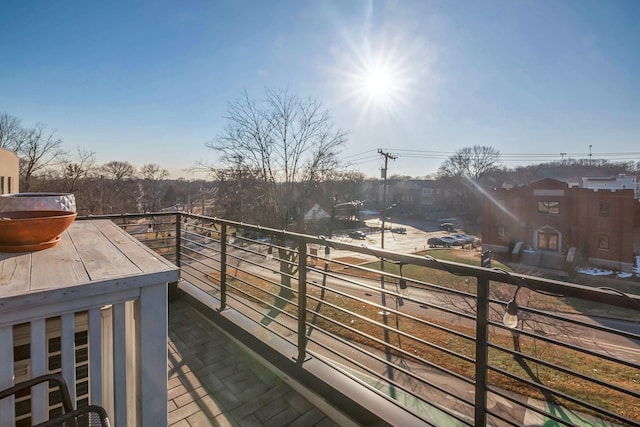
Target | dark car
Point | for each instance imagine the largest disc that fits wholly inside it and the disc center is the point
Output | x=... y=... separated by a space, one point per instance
x=357 y=235
x=435 y=242
x=446 y=226
x=399 y=230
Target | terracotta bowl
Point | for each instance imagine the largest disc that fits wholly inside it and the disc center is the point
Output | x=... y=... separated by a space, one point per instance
x=37 y=202
x=32 y=230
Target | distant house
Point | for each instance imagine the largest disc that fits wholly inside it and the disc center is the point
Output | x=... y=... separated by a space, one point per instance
x=9 y=172
x=553 y=224
x=316 y=219
x=612 y=183
x=315 y=213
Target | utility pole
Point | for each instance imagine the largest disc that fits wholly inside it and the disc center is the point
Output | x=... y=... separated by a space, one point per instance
x=562 y=157
x=203 y=182
x=386 y=156
x=590 y=154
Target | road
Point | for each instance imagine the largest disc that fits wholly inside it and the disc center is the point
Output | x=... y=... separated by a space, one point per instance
x=415 y=304
x=417 y=300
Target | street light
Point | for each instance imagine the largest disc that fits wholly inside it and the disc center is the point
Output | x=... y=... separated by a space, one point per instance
x=510 y=318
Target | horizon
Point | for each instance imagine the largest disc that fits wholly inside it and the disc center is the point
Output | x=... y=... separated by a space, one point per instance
x=149 y=81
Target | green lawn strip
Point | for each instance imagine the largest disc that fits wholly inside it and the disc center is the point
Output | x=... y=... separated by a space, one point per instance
x=536 y=300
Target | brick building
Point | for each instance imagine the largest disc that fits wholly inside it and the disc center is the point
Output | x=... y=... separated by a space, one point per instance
x=553 y=224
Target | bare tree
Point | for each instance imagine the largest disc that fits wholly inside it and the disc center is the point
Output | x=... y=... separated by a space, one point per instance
x=39 y=149
x=465 y=171
x=12 y=133
x=73 y=172
x=235 y=194
x=471 y=162
x=118 y=188
x=118 y=171
x=288 y=145
x=152 y=174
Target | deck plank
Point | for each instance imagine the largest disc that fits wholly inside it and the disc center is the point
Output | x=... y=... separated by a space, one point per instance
x=101 y=261
x=63 y=266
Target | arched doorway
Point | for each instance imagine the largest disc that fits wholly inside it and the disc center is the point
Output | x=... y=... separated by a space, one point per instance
x=547 y=238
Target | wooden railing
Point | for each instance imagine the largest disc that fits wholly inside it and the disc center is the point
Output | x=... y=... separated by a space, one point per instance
x=92 y=308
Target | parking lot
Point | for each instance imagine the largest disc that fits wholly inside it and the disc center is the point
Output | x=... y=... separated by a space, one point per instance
x=410 y=241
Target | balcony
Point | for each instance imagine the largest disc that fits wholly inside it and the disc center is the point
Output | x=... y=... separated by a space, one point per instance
x=268 y=327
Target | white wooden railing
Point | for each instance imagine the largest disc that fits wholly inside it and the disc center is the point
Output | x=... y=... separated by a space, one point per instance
x=118 y=295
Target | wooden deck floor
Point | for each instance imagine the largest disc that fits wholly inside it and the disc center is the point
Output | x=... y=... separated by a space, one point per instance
x=213 y=381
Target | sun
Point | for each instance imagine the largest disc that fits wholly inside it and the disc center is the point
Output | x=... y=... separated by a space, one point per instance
x=381 y=74
x=378 y=83
x=375 y=86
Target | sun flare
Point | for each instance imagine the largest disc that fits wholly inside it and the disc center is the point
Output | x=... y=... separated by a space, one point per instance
x=378 y=83
x=381 y=72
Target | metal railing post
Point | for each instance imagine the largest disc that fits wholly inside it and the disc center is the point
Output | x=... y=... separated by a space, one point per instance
x=223 y=267
x=482 y=351
x=302 y=300
x=178 y=236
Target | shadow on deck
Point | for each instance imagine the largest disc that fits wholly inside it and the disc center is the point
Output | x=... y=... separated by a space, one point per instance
x=215 y=381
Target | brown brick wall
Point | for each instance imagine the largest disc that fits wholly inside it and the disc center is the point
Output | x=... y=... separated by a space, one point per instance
x=607 y=237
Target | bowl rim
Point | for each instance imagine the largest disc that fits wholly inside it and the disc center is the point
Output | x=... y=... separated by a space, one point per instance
x=36 y=194
x=49 y=214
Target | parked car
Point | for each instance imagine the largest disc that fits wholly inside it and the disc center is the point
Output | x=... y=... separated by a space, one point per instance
x=464 y=238
x=446 y=226
x=399 y=230
x=451 y=241
x=459 y=241
x=357 y=235
x=435 y=242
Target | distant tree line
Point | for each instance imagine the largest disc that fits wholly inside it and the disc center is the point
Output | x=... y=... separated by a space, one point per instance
x=275 y=159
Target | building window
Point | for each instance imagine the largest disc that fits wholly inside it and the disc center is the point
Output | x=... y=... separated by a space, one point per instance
x=548 y=241
x=604 y=209
x=1 y=184
x=603 y=242
x=549 y=207
x=501 y=231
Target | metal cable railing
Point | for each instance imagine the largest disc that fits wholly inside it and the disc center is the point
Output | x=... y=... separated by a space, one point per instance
x=426 y=334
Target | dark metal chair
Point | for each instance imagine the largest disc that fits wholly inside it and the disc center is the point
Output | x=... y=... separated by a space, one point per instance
x=87 y=416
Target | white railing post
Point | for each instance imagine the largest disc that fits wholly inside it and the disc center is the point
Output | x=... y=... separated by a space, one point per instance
x=95 y=355
x=151 y=332
x=7 y=406
x=119 y=363
x=39 y=367
x=68 y=349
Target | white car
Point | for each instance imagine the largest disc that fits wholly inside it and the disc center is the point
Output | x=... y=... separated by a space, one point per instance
x=463 y=238
x=451 y=241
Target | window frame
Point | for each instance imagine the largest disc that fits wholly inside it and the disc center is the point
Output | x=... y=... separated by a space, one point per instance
x=549 y=207
x=604 y=242
x=548 y=237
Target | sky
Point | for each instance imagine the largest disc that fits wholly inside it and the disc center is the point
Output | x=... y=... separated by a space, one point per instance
x=149 y=81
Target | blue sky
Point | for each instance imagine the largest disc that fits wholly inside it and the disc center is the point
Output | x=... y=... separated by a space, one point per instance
x=148 y=81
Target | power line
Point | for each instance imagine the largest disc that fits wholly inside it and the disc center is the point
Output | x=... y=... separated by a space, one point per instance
x=429 y=154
